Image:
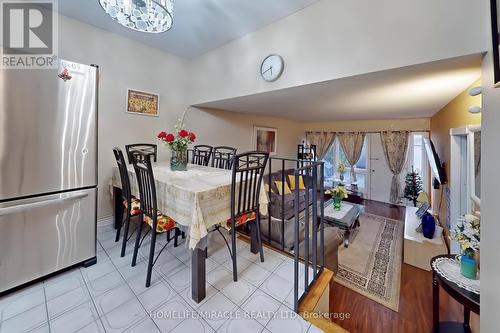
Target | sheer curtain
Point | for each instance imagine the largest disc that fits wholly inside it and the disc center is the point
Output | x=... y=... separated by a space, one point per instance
x=322 y=140
x=352 y=145
x=395 y=146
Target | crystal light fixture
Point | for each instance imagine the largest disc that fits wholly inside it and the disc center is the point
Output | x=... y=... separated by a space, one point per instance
x=153 y=16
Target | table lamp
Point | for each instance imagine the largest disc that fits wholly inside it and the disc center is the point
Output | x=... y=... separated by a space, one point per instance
x=423 y=198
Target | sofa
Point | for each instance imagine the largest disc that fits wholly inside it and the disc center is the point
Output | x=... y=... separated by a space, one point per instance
x=276 y=206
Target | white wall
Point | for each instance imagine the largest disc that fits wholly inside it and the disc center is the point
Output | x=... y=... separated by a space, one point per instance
x=490 y=196
x=124 y=64
x=334 y=38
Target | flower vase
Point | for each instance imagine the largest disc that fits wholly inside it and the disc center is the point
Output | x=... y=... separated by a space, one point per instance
x=342 y=177
x=428 y=225
x=337 y=202
x=468 y=265
x=179 y=160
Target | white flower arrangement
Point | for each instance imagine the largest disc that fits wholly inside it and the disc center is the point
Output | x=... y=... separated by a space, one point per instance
x=467 y=232
x=338 y=192
x=341 y=168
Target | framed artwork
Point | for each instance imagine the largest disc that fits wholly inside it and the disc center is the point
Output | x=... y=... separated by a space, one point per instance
x=265 y=139
x=143 y=103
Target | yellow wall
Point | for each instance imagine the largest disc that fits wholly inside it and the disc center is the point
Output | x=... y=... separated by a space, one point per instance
x=454 y=115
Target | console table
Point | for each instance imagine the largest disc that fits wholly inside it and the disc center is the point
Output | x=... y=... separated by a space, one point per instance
x=468 y=299
x=419 y=250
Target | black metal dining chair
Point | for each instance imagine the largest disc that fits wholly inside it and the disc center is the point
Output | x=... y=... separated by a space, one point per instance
x=130 y=203
x=158 y=223
x=144 y=148
x=222 y=157
x=201 y=155
x=247 y=173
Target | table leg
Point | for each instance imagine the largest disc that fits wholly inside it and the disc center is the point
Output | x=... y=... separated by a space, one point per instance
x=435 y=303
x=198 y=274
x=347 y=236
x=254 y=243
x=466 y=319
x=117 y=197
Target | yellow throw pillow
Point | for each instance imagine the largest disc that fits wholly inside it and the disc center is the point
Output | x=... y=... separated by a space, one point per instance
x=291 y=179
x=267 y=188
x=279 y=186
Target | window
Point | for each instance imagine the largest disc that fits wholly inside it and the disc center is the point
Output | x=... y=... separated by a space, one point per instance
x=334 y=155
x=417 y=157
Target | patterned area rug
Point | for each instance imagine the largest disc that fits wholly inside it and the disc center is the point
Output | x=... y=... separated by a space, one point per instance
x=371 y=265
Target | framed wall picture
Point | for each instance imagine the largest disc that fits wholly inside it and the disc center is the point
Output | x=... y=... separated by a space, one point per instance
x=143 y=103
x=265 y=139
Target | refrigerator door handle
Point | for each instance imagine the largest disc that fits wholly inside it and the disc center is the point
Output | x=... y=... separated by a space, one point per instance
x=38 y=204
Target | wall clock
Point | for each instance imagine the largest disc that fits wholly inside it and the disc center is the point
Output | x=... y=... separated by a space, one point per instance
x=272 y=67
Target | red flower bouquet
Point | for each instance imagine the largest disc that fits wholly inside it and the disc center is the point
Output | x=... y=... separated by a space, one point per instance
x=178 y=142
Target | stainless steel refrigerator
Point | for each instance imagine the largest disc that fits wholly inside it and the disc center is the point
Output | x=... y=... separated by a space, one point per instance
x=48 y=171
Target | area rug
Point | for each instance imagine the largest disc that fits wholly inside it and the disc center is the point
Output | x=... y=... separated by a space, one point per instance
x=371 y=265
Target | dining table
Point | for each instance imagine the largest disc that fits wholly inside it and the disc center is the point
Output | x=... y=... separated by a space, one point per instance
x=197 y=199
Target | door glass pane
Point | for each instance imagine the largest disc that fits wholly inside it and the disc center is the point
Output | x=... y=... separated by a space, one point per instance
x=362 y=160
x=417 y=159
x=417 y=139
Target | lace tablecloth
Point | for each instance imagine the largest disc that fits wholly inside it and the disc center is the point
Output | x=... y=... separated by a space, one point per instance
x=196 y=199
x=449 y=269
x=338 y=214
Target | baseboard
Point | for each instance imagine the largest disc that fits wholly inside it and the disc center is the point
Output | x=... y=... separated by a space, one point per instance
x=106 y=220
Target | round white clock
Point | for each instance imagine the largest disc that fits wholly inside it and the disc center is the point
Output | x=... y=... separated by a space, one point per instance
x=272 y=67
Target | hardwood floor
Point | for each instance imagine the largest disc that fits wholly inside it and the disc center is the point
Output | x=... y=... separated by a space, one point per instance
x=415 y=307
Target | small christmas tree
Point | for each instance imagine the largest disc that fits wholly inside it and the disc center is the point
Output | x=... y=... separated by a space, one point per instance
x=413 y=186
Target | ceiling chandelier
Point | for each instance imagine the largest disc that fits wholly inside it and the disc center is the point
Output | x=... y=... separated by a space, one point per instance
x=153 y=16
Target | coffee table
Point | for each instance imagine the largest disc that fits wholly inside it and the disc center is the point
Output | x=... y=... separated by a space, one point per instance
x=347 y=218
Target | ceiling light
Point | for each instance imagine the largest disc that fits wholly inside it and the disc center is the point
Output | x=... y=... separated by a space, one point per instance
x=475 y=91
x=153 y=16
x=474 y=109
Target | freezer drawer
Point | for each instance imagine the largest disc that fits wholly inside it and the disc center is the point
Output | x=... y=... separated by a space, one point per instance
x=42 y=235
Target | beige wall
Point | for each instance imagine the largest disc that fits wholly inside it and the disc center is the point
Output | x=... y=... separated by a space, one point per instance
x=419 y=124
x=215 y=127
x=454 y=115
x=124 y=64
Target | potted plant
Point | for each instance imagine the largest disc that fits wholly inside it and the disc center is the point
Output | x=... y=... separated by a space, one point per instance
x=178 y=143
x=338 y=193
x=467 y=232
x=413 y=186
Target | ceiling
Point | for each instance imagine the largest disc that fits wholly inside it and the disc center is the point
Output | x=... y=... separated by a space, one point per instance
x=199 y=25
x=407 y=92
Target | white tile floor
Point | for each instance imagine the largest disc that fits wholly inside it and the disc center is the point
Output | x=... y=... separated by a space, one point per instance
x=111 y=297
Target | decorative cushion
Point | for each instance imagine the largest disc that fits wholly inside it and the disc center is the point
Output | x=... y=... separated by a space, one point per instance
x=267 y=188
x=243 y=218
x=279 y=186
x=291 y=179
x=136 y=206
x=164 y=223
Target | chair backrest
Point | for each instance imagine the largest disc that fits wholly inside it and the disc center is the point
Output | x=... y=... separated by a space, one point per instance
x=222 y=157
x=201 y=154
x=248 y=170
x=122 y=168
x=146 y=184
x=144 y=148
